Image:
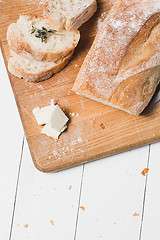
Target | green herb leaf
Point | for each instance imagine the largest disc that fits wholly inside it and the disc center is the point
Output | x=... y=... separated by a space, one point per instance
x=43 y=28
x=42 y=33
x=51 y=31
x=37 y=36
x=33 y=30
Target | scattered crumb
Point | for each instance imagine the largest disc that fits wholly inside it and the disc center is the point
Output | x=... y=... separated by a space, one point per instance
x=18 y=225
x=35 y=195
x=51 y=221
x=145 y=171
x=135 y=214
x=114 y=223
x=26 y=225
x=70 y=187
x=83 y=208
x=102 y=126
x=74 y=114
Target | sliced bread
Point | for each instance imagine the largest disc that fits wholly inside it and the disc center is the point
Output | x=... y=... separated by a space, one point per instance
x=69 y=14
x=35 y=71
x=28 y=36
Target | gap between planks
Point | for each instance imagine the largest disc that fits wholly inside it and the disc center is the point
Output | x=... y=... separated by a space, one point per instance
x=16 y=191
x=144 y=197
x=80 y=193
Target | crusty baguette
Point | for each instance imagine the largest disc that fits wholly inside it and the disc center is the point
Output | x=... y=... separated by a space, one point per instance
x=122 y=67
x=69 y=14
x=35 y=71
x=57 y=45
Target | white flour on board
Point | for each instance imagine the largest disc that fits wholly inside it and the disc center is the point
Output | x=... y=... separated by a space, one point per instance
x=43 y=2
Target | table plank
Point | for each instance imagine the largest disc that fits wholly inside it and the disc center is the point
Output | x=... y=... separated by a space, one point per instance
x=112 y=192
x=47 y=203
x=11 y=138
x=150 y=227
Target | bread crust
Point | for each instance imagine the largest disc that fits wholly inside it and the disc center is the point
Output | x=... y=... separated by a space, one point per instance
x=99 y=76
x=133 y=94
x=75 y=22
x=79 y=19
x=41 y=76
x=23 y=48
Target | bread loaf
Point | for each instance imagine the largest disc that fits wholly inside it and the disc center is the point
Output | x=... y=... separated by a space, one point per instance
x=69 y=14
x=23 y=41
x=122 y=68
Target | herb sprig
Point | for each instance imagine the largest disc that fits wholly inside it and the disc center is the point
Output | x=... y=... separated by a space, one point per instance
x=42 y=33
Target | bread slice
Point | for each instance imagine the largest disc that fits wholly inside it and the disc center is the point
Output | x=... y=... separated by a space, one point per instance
x=35 y=71
x=69 y=14
x=122 y=68
x=57 y=46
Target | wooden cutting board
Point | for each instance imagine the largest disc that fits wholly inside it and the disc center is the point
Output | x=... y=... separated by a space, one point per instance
x=94 y=130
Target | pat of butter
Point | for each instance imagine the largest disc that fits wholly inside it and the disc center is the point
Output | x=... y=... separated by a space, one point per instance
x=53 y=117
x=58 y=118
x=52 y=132
x=43 y=115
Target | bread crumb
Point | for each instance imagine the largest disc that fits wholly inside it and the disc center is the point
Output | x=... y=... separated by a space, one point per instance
x=51 y=221
x=145 y=171
x=74 y=114
x=26 y=225
x=102 y=126
x=135 y=214
x=70 y=187
x=83 y=208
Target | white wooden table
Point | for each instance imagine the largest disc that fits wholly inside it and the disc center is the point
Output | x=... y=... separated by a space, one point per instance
x=90 y=202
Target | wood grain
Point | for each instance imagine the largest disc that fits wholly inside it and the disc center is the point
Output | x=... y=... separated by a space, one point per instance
x=85 y=139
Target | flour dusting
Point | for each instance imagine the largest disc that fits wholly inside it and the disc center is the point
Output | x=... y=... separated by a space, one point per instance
x=101 y=19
